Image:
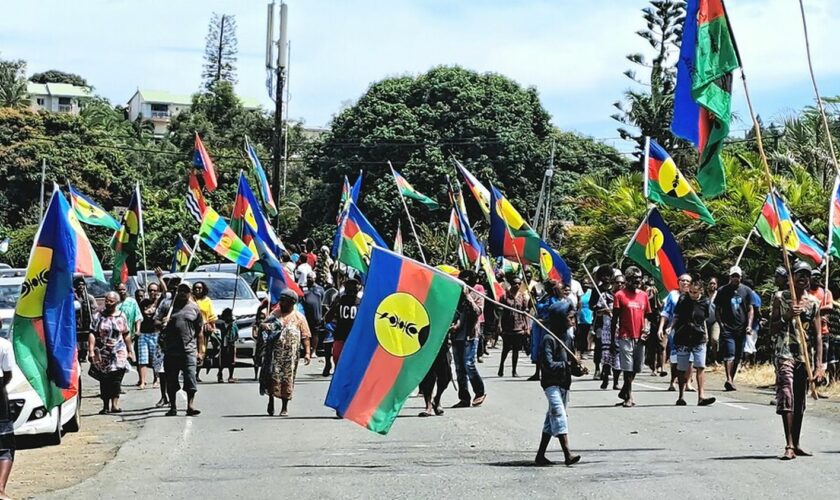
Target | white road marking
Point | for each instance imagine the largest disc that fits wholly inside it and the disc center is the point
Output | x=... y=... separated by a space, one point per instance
x=646 y=386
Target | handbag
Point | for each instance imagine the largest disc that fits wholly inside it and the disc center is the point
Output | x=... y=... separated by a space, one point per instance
x=95 y=373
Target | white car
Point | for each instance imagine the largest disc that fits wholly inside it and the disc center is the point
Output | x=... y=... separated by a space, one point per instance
x=28 y=412
x=220 y=287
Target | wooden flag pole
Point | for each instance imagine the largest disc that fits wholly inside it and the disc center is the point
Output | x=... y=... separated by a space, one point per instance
x=410 y=220
x=744 y=248
x=142 y=237
x=781 y=232
x=824 y=120
x=183 y=275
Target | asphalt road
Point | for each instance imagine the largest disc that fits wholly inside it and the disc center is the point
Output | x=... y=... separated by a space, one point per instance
x=234 y=450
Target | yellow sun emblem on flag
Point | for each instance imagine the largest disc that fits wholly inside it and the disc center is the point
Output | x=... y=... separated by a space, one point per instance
x=363 y=242
x=546 y=262
x=671 y=180
x=789 y=234
x=654 y=244
x=401 y=324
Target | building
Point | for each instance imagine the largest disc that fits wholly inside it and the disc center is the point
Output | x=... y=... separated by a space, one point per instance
x=57 y=97
x=160 y=107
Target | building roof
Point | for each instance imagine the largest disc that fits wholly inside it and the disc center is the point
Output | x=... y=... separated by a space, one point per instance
x=57 y=89
x=163 y=97
x=249 y=102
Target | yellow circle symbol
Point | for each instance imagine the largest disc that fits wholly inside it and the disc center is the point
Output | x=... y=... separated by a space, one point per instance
x=546 y=262
x=363 y=242
x=401 y=324
x=789 y=234
x=654 y=243
x=671 y=181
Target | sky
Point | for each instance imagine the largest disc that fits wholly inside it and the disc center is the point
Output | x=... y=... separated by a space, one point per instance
x=572 y=51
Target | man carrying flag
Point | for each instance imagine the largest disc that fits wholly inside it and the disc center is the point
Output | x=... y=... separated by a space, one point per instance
x=702 y=99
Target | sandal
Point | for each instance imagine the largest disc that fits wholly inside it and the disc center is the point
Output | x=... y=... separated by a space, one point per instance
x=172 y=413
x=103 y=411
x=478 y=400
x=193 y=412
x=786 y=456
x=231 y=380
x=439 y=411
x=284 y=413
x=424 y=414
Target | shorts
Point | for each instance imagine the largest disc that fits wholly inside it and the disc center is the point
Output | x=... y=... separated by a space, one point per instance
x=631 y=355
x=714 y=332
x=173 y=365
x=673 y=350
x=147 y=345
x=833 y=351
x=556 y=421
x=7 y=441
x=732 y=346
x=686 y=354
x=791 y=387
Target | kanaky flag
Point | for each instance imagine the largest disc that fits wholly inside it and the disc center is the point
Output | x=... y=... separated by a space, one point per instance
x=203 y=162
x=356 y=239
x=553 y=266
x=703 y=94
x=183 y=252
x=125 y=240
x=400 y=326
x=481 y=193
x=44 y=324
x=278 y=276
x=666 y=185
x=510 y=236
x=797 y=239
x=407 y=190
x=655 y=250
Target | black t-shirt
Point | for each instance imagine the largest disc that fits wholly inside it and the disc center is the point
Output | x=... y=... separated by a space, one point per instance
x=690 y=321
x=733 y=304
x=346 y=314
x=312 y=302
x=148 y=308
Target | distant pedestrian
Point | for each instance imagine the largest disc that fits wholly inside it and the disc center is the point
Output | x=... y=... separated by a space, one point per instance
x=550 y=296
x=514 y=325
x=228 y=334
x=609 y=360
x=689 y=338
x=556 y=380
x=84 y=316
x=147 y=340
x=465 y=344
x=343 y=312
x=734 y=310
x=629 y=331
x=109 y=347
x=183 y=333
x=287 y=330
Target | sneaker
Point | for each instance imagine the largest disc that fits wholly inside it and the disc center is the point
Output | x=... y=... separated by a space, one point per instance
x=706 y=402
x=728 y=387
x=681 y=402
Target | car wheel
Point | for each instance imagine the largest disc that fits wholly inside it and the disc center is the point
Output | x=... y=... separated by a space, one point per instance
x=75 y=423
x=55 y=437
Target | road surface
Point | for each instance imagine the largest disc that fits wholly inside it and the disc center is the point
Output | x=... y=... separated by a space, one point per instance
x=234 y=450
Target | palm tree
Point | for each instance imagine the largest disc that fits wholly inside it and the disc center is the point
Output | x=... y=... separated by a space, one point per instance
x=13 y=93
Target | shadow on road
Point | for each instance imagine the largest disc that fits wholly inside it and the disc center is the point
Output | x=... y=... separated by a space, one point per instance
x=747 y=457
x=266 y=415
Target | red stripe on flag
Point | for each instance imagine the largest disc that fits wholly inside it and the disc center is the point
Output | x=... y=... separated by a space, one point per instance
x=415 y=280
x=708 y=11
x=654 y=166
x=644 y=234
x=666 y=268
x=770 y=215
x=379 y=378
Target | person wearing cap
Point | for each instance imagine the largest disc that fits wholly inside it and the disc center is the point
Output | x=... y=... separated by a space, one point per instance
x=287 y=330
x=629 y=331
x=791 y=374
x=734 y=311
x=343 y=312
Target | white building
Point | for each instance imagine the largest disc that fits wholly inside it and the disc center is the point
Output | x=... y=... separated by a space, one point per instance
x=57 y=97
x=160 y=107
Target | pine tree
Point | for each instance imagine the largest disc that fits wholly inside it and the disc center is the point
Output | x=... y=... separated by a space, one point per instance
x=220 y=51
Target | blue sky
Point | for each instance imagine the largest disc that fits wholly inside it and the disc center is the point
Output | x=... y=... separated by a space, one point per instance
x=572 y=51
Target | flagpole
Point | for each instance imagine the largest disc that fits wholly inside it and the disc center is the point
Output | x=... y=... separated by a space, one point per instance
x=410 y=220
x=827 y=134
x=744 y=248
x=645 y=167
x=633 y=238
x=43 y=179
x=780 y=231
x=142 y=237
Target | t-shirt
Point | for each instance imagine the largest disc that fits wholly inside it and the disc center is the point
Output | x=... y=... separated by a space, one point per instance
x=787 y=346
x=515 y=322
x=690 y=320
x=7 y=362
x=132 y=314
x=312 y=303
x=205 y=305
x=302 y=272
x=148 y=308
x=733 y=306
x=346 y=314
x=825 y=300
x=631 y=308
x=669 y=305
x=181 y=332
x=585 y=312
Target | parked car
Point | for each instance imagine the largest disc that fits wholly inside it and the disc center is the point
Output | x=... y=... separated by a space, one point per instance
x=250 y=277
x=13 y=272
x=4 y=266
x=221 y=288
x=29 y=415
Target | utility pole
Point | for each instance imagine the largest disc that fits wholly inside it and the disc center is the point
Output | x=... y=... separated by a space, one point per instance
x=277 y=70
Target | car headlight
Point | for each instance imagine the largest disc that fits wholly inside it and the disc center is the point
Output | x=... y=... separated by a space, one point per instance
x=38 y=413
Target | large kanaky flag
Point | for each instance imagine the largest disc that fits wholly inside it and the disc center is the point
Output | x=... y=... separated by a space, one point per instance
x=655 y=250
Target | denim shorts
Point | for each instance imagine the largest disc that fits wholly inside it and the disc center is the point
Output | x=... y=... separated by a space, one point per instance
x=686 y=354
x=732 y=346
x=556 y=421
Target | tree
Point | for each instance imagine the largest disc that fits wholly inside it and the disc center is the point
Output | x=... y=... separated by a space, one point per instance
x=650 y=110
x=220 y=51
x=497 y=129
x=57 y=76
x=13 y=93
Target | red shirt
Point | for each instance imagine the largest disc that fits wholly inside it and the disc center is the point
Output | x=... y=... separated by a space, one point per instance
x=825 y=299
x=631 y=308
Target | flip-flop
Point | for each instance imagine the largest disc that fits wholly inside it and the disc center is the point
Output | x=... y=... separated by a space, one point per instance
x=480 y=399
x=706 y=402
x=172 y=413
x=424 y=414
x=575 y=459
x=439 y=411
x=193 y=413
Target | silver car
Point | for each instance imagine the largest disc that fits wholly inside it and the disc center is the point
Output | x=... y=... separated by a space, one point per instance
x=221 y=288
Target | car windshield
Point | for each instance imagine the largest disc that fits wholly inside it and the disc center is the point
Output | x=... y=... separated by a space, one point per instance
x=8 y=296
x=222 y=288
